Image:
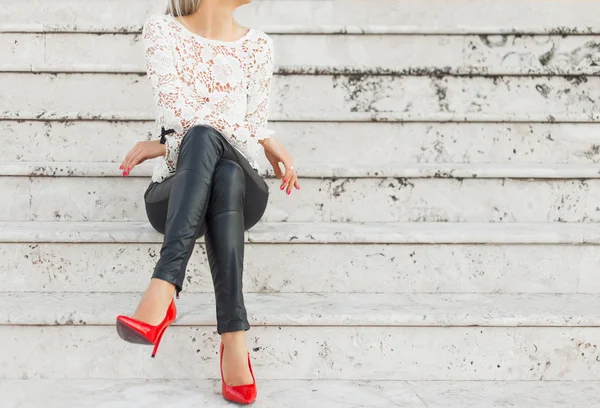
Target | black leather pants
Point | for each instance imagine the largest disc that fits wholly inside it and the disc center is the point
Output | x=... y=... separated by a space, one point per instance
x=214 y=192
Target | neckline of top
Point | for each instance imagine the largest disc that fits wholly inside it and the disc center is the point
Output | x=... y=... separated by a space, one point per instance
x=209 y=40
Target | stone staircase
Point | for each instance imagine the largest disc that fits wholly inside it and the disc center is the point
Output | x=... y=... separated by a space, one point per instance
x=443 y=250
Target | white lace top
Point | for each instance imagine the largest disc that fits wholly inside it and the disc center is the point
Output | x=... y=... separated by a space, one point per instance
x=196 y=80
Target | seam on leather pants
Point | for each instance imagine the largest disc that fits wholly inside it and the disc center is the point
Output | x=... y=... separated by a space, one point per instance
x=198 y=173
x=226 y=212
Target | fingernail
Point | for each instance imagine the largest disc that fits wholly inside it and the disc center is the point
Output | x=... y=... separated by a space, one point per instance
x=124 y=173
x=121 y=167
x=129 y=168
x=298 y=187
x=288 y=193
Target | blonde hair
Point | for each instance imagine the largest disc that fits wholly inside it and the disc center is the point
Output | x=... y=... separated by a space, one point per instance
x=178 y=8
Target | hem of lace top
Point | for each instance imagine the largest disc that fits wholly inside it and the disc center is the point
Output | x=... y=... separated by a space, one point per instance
x=264 y=133
x=161 y=171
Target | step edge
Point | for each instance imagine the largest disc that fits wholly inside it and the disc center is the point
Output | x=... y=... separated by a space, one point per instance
x=329 y=170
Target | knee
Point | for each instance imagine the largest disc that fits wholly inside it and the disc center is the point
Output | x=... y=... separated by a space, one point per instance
x=229 y=173
x=200 y=136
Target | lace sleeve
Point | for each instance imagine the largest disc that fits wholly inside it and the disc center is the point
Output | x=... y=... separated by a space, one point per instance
x=173 y=103
x=260 y=67
x=260 y=75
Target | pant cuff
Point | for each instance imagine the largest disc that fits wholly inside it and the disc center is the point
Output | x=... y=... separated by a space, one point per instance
x=233 y=327
x=168 y=278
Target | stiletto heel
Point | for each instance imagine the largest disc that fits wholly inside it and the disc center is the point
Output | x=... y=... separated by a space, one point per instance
x=157 y=343
x=241 y=394
x=136 y=331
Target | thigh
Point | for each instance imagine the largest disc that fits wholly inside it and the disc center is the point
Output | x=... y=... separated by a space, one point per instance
x=156 y=199
x=257 y=191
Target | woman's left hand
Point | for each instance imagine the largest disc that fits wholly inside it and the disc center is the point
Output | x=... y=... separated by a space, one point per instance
x=276 y=154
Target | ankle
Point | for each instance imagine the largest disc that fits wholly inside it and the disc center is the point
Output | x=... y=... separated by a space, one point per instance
x=234 y=339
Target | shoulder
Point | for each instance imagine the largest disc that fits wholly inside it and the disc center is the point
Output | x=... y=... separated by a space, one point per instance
x=262 y=43
x=156 y=23
x=260 y=37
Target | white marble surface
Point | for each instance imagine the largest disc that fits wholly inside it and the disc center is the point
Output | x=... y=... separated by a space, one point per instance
x=298 y=394
x=315 y=309
x=326 y=54
x=120 y=198
x=328 y=169
x=338 y=16
x=510 y=144
x=296 y=352
x=409 y=268
x=445 y=198
x=465 y=200
x=343 y=97
x=578 y=117
x=317 y=233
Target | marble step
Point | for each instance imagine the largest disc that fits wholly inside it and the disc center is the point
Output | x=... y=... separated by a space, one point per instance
x=391 y=337
x=327 y=169
x=300 y=352
x=316 y=309
x=330 y=16
x=317 y=233
x=327 y=54
x=361 y=144
x=299 y=394
x=322 y=199
x=291 y=257
x=341 y=98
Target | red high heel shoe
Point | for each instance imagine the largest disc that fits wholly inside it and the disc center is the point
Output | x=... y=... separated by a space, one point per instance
x=242 y=394
x=135 y=331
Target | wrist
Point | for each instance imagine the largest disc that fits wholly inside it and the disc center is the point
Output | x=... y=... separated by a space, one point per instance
x=265 y=142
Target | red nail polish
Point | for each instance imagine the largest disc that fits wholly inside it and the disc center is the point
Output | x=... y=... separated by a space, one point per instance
x=288 y=193
x=124 y=173
x=121 y=167
x=129 y=168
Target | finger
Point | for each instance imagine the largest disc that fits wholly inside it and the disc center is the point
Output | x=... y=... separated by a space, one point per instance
x=139 y=158
x=277 y=170
x=289 y=173
x=289 y=178
x=284 y=179
x=123 y=165
x=128 y=160
x=126 y=164
x=297 y=183
x=293 y=181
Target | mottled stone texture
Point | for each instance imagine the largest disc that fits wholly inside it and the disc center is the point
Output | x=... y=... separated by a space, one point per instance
x=344 y=144
x=341 y=97
x=314 y=268
x=339 y=16
x=314 y=310
x=349 y=353
x=303 y=393
x=326 y=54
x=323 y=200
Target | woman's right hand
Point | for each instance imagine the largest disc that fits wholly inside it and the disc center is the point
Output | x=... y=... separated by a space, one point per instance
x=141 y=152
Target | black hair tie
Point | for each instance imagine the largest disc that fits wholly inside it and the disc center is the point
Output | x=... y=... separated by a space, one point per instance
x=164 y=133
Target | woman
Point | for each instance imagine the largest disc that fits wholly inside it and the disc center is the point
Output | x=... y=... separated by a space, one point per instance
x=211 y=81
